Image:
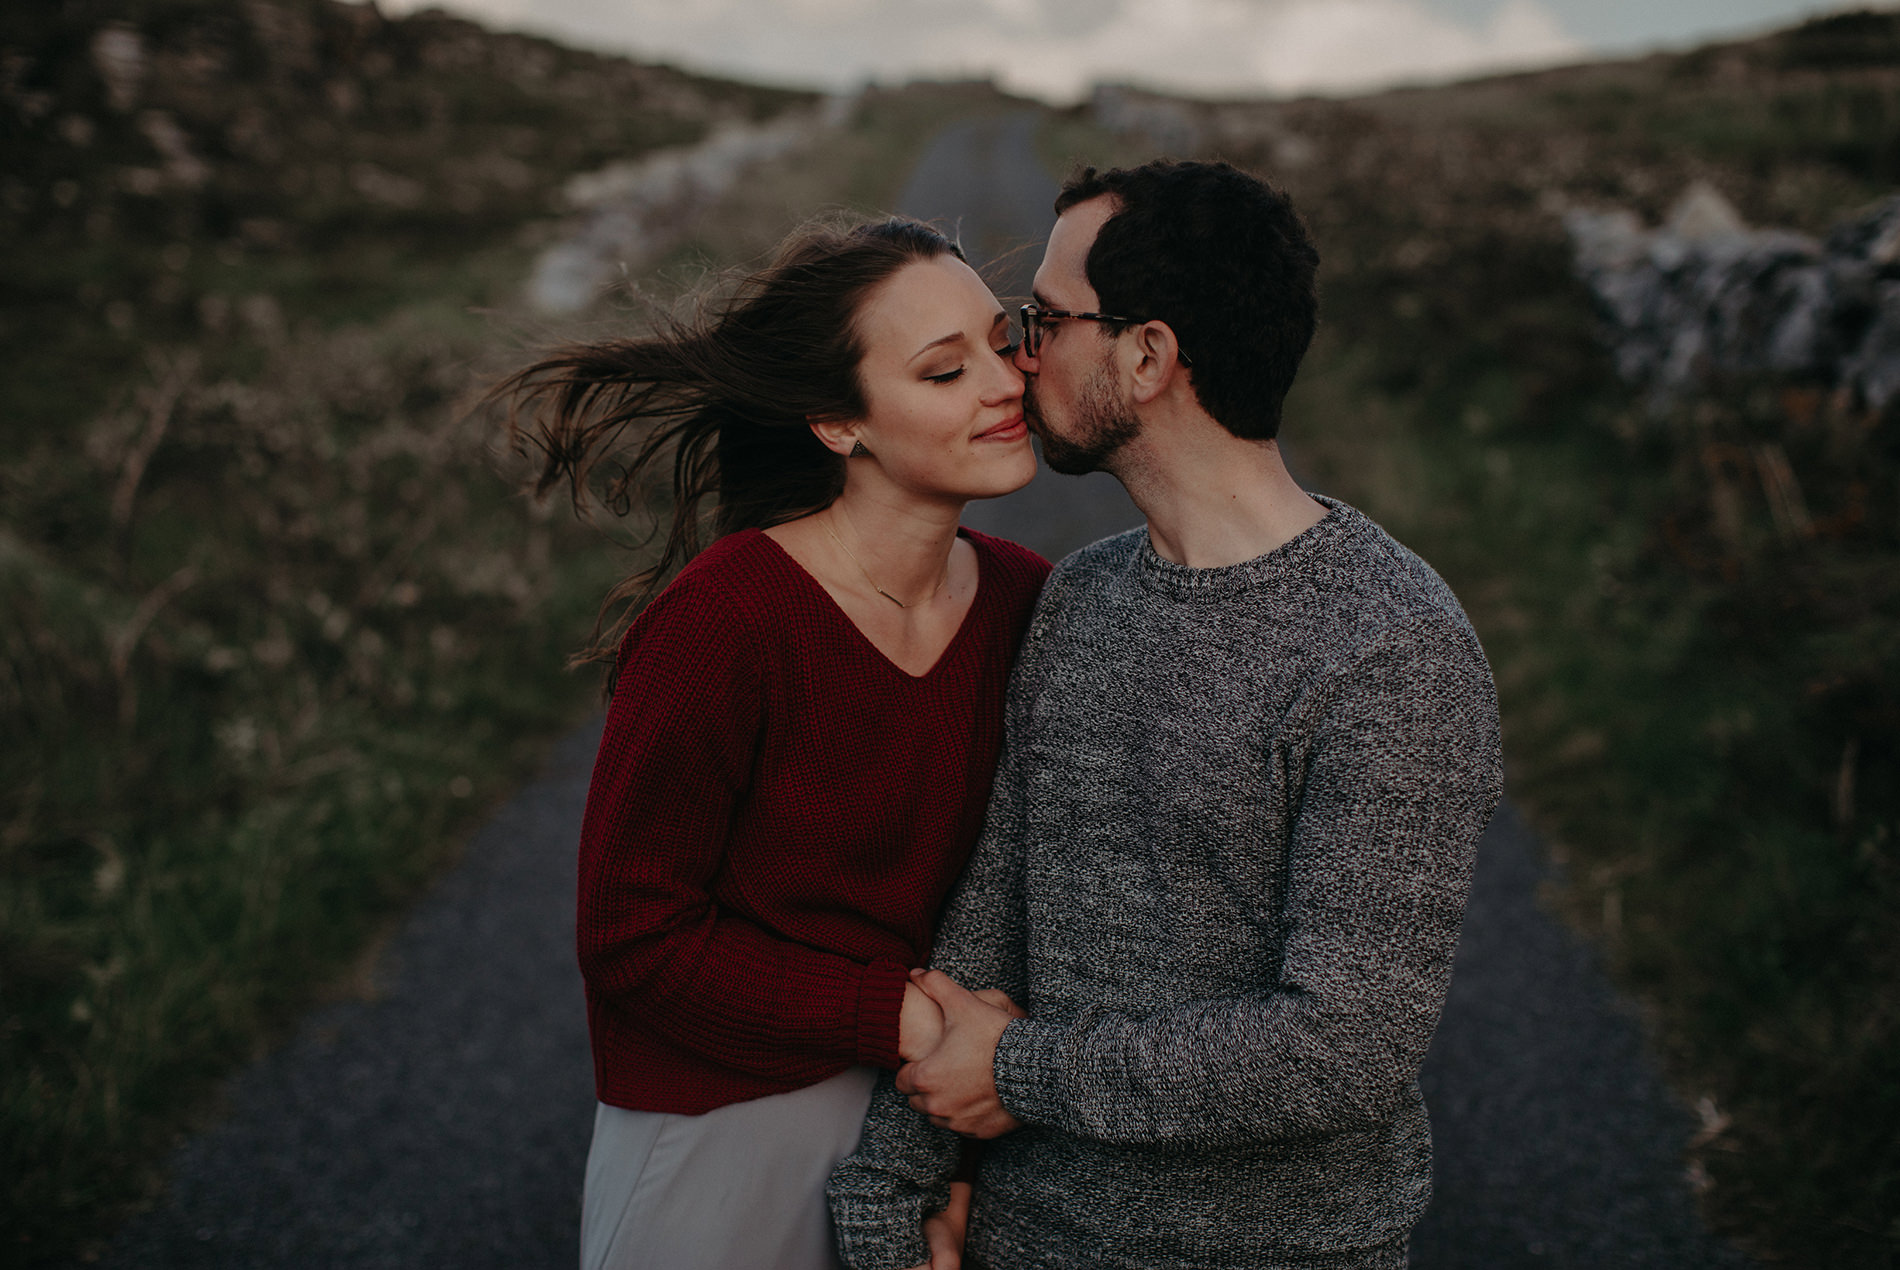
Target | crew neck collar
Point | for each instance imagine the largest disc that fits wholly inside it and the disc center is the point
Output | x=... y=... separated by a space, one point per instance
x=1183 y=582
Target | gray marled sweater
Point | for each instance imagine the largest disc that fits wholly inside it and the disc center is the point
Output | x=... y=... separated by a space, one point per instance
x=1226 y=860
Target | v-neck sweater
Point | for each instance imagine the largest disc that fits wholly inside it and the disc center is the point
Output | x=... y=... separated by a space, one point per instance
x=776 y=813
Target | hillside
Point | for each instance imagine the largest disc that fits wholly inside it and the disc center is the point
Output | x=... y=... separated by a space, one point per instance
x=182 y=169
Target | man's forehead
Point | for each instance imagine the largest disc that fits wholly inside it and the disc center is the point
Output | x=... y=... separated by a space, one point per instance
x=1063 y=280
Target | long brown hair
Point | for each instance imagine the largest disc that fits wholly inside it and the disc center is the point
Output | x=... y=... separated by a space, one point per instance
x=725 y=398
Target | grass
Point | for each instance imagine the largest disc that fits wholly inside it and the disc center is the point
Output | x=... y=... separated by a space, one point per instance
x=264 y=686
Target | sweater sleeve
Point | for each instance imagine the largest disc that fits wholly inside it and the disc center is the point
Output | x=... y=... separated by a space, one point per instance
x=676 y=758
x=1403 y=775
x=903 y=1166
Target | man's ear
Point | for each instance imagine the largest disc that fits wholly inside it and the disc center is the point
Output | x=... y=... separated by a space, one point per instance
x=1157 y=360
x=836 y=435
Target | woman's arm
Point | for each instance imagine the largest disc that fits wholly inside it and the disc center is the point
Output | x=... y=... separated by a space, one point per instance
x=675 y=762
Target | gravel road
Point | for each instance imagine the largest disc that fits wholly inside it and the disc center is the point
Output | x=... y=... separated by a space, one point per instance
x=443 y=1121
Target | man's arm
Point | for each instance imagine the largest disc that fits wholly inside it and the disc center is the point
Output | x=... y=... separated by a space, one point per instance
x=1402 y=780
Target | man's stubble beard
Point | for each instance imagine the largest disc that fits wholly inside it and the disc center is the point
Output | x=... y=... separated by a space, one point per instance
x=1103 y=424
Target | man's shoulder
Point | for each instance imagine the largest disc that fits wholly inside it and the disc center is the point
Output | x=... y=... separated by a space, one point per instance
x=1370 y=582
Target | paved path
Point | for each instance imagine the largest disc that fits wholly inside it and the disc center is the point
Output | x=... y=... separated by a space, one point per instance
x=440 y=1125
x=444 y=1122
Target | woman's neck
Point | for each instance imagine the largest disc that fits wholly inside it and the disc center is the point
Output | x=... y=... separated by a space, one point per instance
x=899 y=547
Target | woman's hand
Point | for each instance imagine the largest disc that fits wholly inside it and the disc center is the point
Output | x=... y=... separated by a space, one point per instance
x=945 y=1231
x=919 y=1024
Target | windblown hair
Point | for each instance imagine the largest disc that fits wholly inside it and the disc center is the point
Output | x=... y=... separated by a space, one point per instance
x=1223 y=259
x=724 y=400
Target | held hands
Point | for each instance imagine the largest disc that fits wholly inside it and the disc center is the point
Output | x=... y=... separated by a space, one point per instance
x=954 y=1082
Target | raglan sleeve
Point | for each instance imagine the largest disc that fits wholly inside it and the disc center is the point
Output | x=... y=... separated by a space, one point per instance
x=675 y=760
x=1403 y=775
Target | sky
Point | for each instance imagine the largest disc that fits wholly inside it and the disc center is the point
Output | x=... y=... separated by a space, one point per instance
x=1056 y=49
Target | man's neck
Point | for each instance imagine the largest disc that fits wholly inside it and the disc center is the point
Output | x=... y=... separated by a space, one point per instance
x=1211 y=498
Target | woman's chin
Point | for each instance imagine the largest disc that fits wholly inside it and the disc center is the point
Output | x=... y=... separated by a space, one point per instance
x=1018 y=474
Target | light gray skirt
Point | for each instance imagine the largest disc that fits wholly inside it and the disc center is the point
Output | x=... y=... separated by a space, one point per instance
x=741 y=1186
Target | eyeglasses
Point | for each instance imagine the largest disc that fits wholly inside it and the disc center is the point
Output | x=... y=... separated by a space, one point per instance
x=1035 y=317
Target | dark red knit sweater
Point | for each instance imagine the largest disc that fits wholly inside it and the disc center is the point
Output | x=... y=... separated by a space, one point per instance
x=776 y=814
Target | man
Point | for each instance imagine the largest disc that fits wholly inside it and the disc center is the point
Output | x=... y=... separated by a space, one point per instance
x=1250 y=750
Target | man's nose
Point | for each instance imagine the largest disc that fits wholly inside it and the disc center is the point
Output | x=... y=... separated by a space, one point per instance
x=1024 y=360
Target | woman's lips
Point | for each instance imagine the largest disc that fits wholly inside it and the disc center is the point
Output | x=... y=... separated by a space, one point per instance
x=1013 y=429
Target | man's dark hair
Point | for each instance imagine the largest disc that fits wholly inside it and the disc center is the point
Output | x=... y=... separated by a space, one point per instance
x=1221 y=257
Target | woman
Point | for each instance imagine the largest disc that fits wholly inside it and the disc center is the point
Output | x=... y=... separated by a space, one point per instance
x=803 y=725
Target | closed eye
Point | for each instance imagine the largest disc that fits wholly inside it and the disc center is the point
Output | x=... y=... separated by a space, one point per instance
x=948 y=377
x=1009 y=350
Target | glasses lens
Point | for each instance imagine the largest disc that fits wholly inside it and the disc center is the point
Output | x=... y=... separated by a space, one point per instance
x=1032 y=329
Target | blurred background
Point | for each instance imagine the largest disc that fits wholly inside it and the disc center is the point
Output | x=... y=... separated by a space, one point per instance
x=1611 y=335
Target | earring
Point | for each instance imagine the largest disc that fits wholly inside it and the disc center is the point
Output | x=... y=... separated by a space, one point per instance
x=858 y=451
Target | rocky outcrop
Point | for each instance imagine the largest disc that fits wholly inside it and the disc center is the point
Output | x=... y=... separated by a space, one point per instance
x=627 y=214
x=1704 y=299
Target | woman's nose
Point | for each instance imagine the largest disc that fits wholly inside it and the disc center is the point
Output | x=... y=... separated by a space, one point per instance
x=1009 y=381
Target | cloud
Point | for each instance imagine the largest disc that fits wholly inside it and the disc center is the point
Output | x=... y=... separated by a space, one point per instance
x=1058 y=48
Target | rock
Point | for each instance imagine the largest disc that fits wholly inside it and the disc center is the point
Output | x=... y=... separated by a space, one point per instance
x=1165 y=123
x=118 y=54
x=1705 y=298
x=1702 y=215
x=629 y=213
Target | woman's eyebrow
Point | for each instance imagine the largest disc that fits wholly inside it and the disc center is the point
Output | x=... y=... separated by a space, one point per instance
x=936 y=343
x=1001 y=319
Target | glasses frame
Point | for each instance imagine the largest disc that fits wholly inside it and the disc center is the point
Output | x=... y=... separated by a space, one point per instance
x=1032 y=317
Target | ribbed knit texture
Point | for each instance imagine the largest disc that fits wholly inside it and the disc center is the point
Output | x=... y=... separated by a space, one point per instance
x=1226 y=862
x=775 y=816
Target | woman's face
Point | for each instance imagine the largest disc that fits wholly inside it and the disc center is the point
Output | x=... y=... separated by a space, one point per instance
x=943 y=401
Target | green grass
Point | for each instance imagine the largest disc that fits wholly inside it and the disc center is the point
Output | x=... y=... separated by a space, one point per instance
x=259 y=706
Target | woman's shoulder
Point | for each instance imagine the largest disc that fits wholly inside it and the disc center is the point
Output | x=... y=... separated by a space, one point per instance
x=744 y=560
x=722 y=593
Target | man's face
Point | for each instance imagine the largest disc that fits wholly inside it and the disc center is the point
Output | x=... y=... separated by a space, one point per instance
x=1074 y=400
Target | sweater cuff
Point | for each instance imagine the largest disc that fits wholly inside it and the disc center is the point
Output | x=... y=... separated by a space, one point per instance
x=1026 y=1067
x=880 y=1002
x=879 y=1240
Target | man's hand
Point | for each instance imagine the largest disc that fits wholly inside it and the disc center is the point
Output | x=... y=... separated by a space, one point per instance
x=919 y=1023
x=1001 y=1000
x=955 y=1083
x=945 y=1231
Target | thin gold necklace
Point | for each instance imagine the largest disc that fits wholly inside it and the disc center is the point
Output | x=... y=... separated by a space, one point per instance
x=825 y=524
